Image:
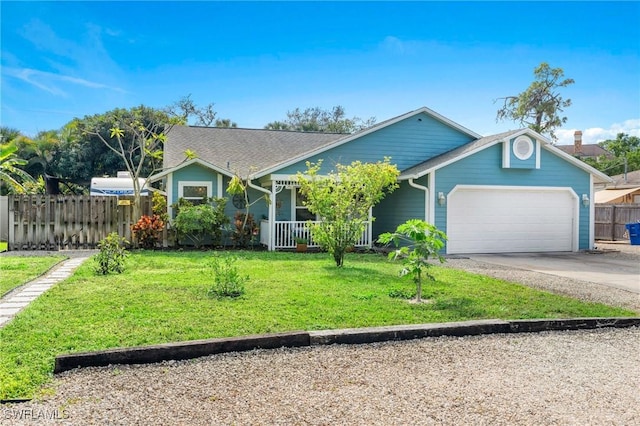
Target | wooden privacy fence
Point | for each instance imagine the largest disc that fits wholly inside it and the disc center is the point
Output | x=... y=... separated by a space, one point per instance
x=57 y=222
x=610 y=220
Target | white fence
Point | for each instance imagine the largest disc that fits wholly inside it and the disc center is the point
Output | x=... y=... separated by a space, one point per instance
x=286 y=233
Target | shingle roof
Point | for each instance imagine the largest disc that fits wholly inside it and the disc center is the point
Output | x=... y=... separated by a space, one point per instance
x=418 y=170
x=588 y=150
x=241 y=150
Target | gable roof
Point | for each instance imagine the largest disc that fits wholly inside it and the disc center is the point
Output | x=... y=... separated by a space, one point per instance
x=261 y=152
x=456 y=154
x=239 y=150
x=372 y=129
x=487 y=141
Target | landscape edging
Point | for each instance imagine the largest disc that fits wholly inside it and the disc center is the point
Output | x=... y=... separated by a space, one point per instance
x=199 y=348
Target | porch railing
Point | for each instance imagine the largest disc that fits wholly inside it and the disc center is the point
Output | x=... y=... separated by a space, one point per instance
x=286 y=233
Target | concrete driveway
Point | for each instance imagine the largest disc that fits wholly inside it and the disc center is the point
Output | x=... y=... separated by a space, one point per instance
x=618 y=270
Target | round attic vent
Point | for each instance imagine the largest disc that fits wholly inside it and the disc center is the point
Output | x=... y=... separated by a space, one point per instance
x=523 y=148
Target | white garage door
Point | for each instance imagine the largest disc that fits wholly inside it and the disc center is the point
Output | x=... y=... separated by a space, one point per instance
x=510 y=219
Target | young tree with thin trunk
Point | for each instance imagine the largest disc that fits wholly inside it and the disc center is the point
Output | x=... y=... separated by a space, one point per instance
x=343 y=199
x=136 y=136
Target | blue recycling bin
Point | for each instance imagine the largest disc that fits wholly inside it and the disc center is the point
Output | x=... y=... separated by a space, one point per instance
x=634 y=233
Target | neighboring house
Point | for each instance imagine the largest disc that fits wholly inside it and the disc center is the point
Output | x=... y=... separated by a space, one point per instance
x=625 y=189
x=511 y=192
x=593 y=151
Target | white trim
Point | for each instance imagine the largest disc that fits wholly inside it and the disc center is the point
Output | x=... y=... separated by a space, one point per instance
x=546 y=144
x=271 y=203
x=592 y=212
x=188 y=163
x=207 y=183
x=538 y=162
x=506 y=154
x=375 y=128
x=170 y=195
x=576 y=203
x=523 y=139
x=431 y=183
x=219 y=185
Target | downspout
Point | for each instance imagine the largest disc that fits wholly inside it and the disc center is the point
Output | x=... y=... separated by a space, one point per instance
x=271 y=210
x=426 y=197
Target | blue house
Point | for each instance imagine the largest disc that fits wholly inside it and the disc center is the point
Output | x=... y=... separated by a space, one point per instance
x=510 y=192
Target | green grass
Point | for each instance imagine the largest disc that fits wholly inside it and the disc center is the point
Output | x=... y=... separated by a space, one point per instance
x=162 y=297
x=18 y=270
x=3 y=246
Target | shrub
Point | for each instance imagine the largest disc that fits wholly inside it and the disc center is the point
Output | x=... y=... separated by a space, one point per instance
x=147 y=230
x=227 y=279
x=245 y=229
x=195 y=223
x=112 y=254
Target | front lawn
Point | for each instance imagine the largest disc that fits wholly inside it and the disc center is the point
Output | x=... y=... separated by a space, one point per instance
x=162 y=297
x=18 y=270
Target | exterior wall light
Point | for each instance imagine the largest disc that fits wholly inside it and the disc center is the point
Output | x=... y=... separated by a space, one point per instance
x=585 y=200
x=441 y=198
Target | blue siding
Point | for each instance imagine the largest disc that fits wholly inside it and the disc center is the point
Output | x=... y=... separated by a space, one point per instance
x=194 y=172
x=259 y=210
x=407 y=142
x=283 y=205
x=484 y=168
x=516 y=163
x=396 y=208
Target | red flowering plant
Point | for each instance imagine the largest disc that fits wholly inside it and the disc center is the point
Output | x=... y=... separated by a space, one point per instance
x=147 y=230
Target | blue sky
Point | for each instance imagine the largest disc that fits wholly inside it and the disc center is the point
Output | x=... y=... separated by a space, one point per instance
x=256 y=61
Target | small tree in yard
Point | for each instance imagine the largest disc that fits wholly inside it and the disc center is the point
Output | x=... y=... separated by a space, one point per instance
x=423 y=241
x=343 y=199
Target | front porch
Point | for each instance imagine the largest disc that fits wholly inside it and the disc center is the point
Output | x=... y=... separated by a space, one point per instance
x=286 y=232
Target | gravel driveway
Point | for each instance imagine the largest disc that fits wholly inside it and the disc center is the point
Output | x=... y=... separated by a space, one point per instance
x=552 y=378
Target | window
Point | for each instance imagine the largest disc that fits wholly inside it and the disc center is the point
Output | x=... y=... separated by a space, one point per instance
x=302 y=213
x=194 y=191
x=522 y=148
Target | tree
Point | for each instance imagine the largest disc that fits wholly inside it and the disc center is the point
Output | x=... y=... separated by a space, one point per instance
x=136 y=136
x=184 y=108
x=319 y=120
x=343 y=199
x=423 y=241
x=540 y=105
x=626 y=152
x=226 y=123
x=11 y=172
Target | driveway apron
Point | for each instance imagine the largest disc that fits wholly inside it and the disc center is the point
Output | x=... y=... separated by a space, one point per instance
x=602 y=269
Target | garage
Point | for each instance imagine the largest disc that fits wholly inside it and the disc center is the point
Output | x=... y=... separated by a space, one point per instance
x=500 y=219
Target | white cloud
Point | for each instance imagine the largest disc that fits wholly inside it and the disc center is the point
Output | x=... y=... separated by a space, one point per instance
x=51 y=82
x=598 y=134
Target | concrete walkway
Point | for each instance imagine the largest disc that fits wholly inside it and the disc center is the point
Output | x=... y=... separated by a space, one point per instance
x=11 y=305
